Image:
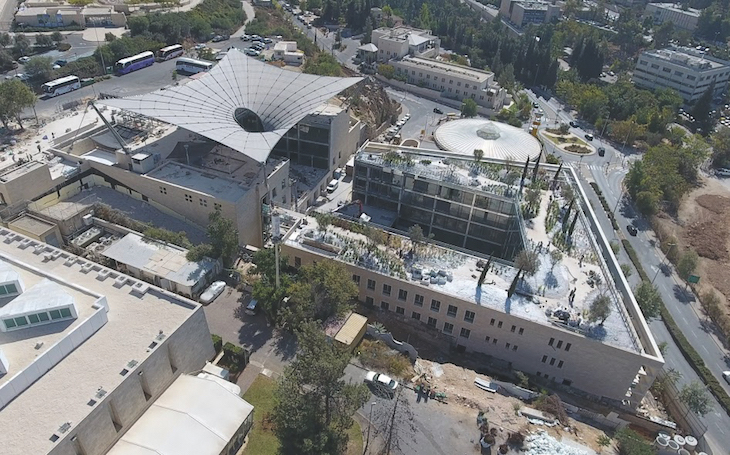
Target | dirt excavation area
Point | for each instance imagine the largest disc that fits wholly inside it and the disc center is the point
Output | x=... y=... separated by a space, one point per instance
x=506 y=415
x=703 y=224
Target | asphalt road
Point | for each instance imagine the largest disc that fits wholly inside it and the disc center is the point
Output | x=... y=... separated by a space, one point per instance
x=691 y=322
x=421 y=112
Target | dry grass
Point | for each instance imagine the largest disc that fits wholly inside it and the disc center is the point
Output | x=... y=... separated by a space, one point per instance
x=379 y=357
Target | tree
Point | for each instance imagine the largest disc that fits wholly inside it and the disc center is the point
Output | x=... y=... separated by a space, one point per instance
x=555 y=257
x=313 y=404
x=632 y=443
x=468 y=107
x=22 y=45
x=687 y=264
x=109 y=37
x=663 y=34
x=39 y=68
x=5 y=39
x=43 y=40
x=138 y=24
x=648 y=299
x=223 y=236
x=695 y=396
x=367 y=36
x=322 y=290
x=527 y=262
x=603 y=441
x=669 y=378
x=702 y=108
x=627 y=270
x=387 y=71
x=57 y=37
x=600 y=309
x=478 y=155
x=15 y=96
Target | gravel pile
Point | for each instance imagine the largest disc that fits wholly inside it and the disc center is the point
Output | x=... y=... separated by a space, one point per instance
x=543 y=444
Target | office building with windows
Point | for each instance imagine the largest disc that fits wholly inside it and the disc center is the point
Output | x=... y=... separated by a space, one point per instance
x=522 y=12
x=681 y=17
x=452 y=81
x=395 y=43
x=536 y=324
x=688 y=71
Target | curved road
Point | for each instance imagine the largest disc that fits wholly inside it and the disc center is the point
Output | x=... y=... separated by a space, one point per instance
x=608 y=173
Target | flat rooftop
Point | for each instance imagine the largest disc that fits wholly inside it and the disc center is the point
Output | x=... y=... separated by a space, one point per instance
x=112 y=341
x=417 y=62
x=677 y=8
x=19 y=171
x=195 y=179
x=32 y=224
x=687 y=57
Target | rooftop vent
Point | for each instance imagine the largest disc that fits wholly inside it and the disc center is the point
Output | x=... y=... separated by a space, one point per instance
x=64 y=428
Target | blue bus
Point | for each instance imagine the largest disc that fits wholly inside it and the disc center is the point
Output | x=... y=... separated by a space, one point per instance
x=135 y=62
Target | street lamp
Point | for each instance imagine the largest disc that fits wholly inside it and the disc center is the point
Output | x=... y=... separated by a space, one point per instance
x=671 y=245
x=370 y=423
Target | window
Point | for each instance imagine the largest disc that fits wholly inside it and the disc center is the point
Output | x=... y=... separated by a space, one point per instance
x=188 y=198
x=283 y=184
x=416 y=316
x=544 y=359
x=514 y=327
x=560 y=364
x=552 y=340
x=486 y=338
x=371 y=284
x=494 y=341
x=356 y=279
x=33 y=318
x=400 y=310
x=384 y=305
x=514 y=348
x=369 y=301
x=499 y=325
x=203 y=202
x=552 y=361
x=9 y=323
x=8 y=289
x=297 y=262
x=448 y=328
x=567 y=347
x=451 y=311
x=418 y=301
x=402 y=294
x=435 y=305
x=491 y=322
x=432 y=322
x=567 y=382
x=507 y=345
x=386 y=289
x=559 y=345
x=458 y=84
x=163 y=190
x=521 y=331
x=43 y=317
x=469 y=316
x=55 y=314
x=216 y=205
x=465 y=333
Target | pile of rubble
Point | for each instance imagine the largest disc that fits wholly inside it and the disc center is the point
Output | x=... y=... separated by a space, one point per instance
x=541 y=443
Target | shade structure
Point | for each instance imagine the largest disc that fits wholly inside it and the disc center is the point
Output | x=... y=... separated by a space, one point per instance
x=496 y=140
x=242 y=103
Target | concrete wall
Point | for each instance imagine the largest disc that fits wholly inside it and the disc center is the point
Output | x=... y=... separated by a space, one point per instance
x=27 y=186
x=399 y=346
x=344 y=139
x=183 y=351
x=521 y=342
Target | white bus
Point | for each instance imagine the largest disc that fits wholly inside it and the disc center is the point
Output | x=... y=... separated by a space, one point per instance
x=191 y=66
x=166 y=53
x=61 y=86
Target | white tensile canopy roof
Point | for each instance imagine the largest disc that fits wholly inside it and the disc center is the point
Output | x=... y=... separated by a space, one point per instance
x=496 y=140
x=241 y=103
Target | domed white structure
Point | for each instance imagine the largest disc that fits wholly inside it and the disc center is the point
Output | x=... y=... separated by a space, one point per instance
x=242 y=103
x=497 y=140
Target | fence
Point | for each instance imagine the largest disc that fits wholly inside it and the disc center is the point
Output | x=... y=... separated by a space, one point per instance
x=681 y=412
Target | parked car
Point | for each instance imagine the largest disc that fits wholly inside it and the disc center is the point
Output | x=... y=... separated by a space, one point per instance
x=437 y=111
x=213 y=291
x=252 y=308
x=219 y=38
x=199 y=47
x=268 y=41
x=573 y=124
x=632 y=230
x=601 y=151
x=726 y=376
x=332 y=186
x=381 y=382
x=251 y=52
x=535 y=105
x=60 y=62
x=23 y=60
x=246 y=37
x=256 y=38
x=589 y=136
x=221 y=55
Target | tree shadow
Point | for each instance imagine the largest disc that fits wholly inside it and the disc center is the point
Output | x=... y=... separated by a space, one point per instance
x=286 y=345
x=478 y=295
x=551 y=281
x=254 y=333
x=683 y=295
x=597 y=332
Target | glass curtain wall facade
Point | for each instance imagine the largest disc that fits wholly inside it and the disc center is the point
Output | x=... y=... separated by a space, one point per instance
x=306 y=145
x=461 y=216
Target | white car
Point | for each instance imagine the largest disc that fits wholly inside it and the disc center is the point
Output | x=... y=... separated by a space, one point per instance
x=221 y=55
x=213 y=291
x=726 y=376
x=381 y=382
x=200 y=47
x=23 y=59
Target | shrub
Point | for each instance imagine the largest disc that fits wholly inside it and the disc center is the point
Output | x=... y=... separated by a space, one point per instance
x=217 y=343
x=63 y=47
x=605 y=206
x=234 y=357
x=376 y=355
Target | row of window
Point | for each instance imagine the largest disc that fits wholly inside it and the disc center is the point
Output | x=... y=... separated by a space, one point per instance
x=680 y=73
x=37 y=318
x=566 y=382
x=189 y=198
x=6 y=289
x=494 y=341
x=435 y=78
x=552 y=361
x=559 y=345
x=513 y=329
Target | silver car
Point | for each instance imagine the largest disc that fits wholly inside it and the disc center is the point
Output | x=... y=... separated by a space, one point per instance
x=213 y=291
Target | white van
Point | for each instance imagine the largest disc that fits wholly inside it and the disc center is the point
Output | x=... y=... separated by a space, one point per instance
x=334 y=183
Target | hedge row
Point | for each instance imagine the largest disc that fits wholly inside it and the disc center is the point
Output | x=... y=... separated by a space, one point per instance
x=234 y=356
x=217 y=343
x=607 y=209
x=689 y=352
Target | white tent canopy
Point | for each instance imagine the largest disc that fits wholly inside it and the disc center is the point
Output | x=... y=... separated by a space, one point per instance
x=236 y=87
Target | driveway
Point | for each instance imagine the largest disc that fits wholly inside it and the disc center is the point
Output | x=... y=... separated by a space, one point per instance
x=270 y=350
x=425 y=427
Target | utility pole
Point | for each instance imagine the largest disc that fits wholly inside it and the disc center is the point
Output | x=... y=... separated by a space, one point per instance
x=370 y=424
x=392 y=423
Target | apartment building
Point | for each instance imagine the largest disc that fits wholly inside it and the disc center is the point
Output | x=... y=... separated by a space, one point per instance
x=438 y=287
x=63 y=16
x=688 y=71
x=85 y=350
x=681 y=17
x=395 y=43
x=522 y=12
x=452 y=81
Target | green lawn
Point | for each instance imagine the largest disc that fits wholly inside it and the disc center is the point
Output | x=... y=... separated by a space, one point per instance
x=354 y=446
x=262 y=441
